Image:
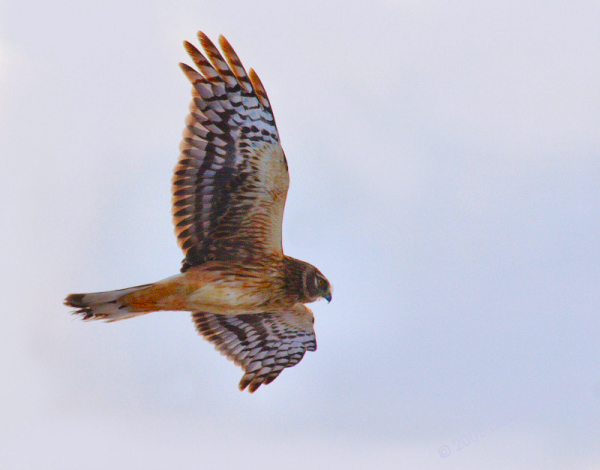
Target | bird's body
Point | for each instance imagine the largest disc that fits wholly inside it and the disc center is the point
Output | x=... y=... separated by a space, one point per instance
x=229 y=191
x=223 y=287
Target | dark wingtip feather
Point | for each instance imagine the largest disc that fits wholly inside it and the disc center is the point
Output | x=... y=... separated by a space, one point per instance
x=189 y=47
x=250 y=382
x=254 y=386
x=243 y=383
x=205 y=41
x=190 y=73
x=253 y=382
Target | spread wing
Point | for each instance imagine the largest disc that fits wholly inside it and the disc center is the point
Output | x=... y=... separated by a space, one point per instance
x=262 y=344
x=231 y=180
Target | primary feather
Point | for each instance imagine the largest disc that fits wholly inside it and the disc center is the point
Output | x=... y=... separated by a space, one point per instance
x=262 y=345
x=231 y=180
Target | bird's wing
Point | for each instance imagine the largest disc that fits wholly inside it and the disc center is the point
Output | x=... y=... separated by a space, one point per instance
x=262 y=344
x=230 y=183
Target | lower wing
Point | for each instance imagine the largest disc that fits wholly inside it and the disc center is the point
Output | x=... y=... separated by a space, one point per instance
x=262 y=344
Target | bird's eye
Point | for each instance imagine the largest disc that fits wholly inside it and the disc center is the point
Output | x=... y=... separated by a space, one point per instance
x=320 y=282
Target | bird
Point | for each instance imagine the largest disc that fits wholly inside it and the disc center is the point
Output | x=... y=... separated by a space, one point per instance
x=229 y=188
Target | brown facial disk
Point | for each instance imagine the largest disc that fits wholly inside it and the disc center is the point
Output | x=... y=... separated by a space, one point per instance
x=306 y=280
x=316 y=285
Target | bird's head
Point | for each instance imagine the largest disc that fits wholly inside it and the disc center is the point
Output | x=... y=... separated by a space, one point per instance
x=316 y=285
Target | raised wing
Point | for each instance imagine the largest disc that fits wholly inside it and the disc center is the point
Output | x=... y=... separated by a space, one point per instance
x=262 y=344
x=231 y=180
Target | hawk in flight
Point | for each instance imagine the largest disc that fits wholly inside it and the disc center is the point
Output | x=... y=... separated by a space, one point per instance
x=229 y=189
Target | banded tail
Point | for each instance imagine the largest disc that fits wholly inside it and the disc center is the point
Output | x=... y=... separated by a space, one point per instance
x=108 y=306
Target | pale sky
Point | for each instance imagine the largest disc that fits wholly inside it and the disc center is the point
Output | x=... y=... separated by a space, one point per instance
x=445 y=177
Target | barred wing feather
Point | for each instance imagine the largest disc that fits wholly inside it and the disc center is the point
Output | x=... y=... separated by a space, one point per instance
x=261 y=344
x=231 y=179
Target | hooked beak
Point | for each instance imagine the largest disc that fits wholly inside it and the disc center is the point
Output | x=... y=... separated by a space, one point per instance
x=327 y=297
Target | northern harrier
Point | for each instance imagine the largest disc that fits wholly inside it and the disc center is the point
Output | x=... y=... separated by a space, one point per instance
x=229 y=188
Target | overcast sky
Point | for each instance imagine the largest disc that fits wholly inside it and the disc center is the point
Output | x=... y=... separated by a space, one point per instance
x=445 y=176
